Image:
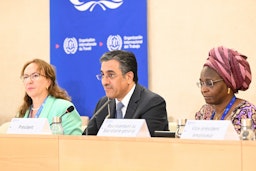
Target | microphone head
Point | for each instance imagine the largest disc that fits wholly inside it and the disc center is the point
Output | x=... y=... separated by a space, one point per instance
x=70 y=109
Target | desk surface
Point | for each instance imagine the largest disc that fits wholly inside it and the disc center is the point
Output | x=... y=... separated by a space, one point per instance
x=65 y=153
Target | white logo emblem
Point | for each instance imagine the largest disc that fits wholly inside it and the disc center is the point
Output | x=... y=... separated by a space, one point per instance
x=83 y=6
x=114 y=42
x=70 y=45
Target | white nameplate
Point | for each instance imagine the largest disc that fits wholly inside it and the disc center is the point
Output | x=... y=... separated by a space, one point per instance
x=124 y=128
x=29 y=126
x=209 y=130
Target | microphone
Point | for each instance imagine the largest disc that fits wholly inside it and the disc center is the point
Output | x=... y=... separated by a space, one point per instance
x=69 y=109
x=59 y=118
x=98 y=111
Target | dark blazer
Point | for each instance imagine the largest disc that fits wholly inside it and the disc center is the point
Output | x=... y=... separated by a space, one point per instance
x=144 y=104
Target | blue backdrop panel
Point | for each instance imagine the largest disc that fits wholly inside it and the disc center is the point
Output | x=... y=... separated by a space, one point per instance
x=81 y=31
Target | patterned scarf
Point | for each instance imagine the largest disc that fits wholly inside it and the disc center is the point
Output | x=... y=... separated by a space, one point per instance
x=231 y=66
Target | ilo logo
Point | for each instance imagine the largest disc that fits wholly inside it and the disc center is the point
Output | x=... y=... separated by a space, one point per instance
x=114 y=42
x=104 y=4
x=70 y=45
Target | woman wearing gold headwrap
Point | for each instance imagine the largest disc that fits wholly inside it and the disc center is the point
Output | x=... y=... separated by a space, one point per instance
x=225 y=73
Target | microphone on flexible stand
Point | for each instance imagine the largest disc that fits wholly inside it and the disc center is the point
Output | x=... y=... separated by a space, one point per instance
x=69 y=109
x=98 y=111
x=59 y=118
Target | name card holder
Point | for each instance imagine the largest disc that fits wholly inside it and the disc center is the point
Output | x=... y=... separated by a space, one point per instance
x=124 y=128
x=29 y=126
x=209 y=130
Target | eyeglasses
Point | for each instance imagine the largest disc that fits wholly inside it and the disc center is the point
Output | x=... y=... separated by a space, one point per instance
x=33 y=77
x=208 y=83
x=108 y=76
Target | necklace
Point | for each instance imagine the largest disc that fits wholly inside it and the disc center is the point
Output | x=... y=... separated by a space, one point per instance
x=35 y=108
x=217 y=117
x=232 y=101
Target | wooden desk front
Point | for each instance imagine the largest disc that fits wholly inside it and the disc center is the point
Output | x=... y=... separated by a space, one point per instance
x=148 y=154
x=65 y=153
x=29 y=152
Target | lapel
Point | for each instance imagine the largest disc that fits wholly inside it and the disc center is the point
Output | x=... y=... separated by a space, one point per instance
x=133 y=103
x=112 y=106
x=132 y=106
x=47 y=107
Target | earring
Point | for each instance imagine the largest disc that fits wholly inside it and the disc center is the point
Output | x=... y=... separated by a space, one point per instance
x=228 y=90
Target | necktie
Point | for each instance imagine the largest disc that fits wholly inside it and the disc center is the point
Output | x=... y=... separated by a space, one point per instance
x=119 y=114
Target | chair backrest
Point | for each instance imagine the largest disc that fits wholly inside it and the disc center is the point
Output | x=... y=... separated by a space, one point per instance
x=85 y=120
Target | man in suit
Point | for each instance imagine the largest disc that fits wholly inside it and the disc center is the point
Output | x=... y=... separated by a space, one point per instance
x=120 y=82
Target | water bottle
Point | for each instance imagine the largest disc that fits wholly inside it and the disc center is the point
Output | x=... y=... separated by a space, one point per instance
x=56 y=126
x=247 y=133
x=180 y=127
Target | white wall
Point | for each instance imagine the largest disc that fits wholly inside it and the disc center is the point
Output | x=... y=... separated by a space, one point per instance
x=24 y=35
x=180 y=34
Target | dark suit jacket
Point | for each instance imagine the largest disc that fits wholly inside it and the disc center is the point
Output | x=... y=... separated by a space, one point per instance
x=143 y=104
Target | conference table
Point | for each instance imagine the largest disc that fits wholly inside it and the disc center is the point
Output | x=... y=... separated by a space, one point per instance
x=65 y=153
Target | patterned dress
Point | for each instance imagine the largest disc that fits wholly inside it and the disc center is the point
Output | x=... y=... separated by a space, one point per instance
x=244 y=110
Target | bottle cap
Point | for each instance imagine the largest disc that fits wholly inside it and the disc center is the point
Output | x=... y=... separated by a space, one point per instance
x=246 y=122
x=56 y=119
